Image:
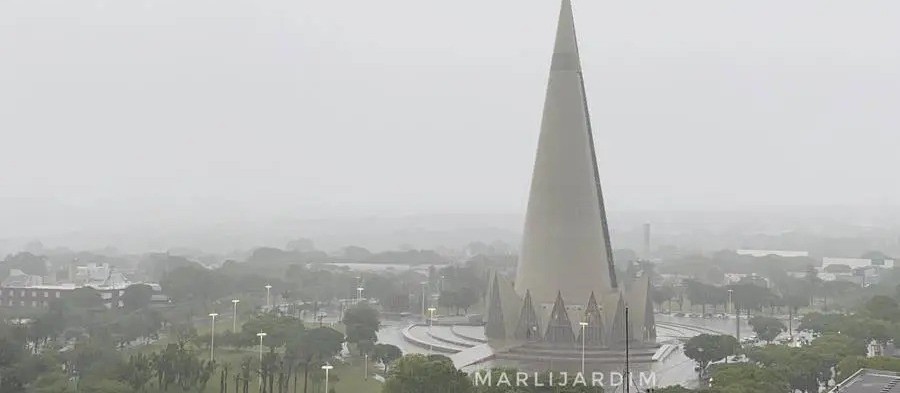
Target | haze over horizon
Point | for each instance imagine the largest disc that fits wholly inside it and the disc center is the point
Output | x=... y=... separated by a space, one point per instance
x=192 y=113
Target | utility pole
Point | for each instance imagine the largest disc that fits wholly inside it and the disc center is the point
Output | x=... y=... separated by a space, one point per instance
x=791 y=323
x=627 y=347
x=737 y=324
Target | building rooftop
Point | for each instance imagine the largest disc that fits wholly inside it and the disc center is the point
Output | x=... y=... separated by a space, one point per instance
x=870 y=381
x=780 y=253
x=19 y=279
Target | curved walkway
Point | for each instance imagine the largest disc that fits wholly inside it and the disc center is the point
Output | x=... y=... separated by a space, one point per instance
x=433 y=345
x=447 y=340
x=470 y=334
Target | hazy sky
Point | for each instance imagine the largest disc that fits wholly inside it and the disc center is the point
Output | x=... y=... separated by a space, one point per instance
x=206 y=107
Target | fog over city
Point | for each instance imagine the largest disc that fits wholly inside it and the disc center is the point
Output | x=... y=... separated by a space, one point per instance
x=154 y=124
x=416 y=196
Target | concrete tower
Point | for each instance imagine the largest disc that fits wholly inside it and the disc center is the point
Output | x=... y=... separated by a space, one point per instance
x=565 y=248
x=565 y=295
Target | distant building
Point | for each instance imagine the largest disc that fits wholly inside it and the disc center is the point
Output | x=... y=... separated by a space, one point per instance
x=742 y=278
x=858 y=262
x=779 y=253
x=869 y=381
x=669 y=279
x=26 y=290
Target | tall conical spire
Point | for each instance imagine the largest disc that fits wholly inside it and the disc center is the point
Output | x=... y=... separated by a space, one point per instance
x=565 y=245
x=565 y=50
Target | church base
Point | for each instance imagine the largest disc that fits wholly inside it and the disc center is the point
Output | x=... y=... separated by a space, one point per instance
x=540 y=357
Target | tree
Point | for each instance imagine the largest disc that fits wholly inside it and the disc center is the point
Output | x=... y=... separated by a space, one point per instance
x=190 y=282
x=85 y=298
x=137 y=372
x=362 y=323
x=767 y=328
x=426 y=374
x=279 y=329
x=448 y=300
x=54 y=382
x=314 y=346
x=822 y=323
x=356 y=253
x=883 y=307
x=794 y=301
x=661 y=295
x=301 y=245
x=748 y=378
x=852 y=364
x=466 y=298
x=752 y=297
x=387 y=353
x=705 y=294
x=833 y=348
x=707 y=348
x=806 y=368
x=27 y=262
x=137 y=296
x=803 y=369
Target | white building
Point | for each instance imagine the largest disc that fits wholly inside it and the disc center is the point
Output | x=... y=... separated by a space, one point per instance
x=780 y=253
x=856 y=263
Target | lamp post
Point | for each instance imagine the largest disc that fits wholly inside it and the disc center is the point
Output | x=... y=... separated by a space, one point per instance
x=738 y=320
x=260 y=335
x=268 y=301
x=424 y=283
x=326 y=367
x=234 y=302
x=730 y=293
x=212 y=336
x=359 y=294
x=737 y=324
x=431 y=311
x=365 y=369
x=583 y=331
x=701 y=363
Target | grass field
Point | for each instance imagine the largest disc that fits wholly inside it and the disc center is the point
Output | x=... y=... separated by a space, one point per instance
x=348 y=377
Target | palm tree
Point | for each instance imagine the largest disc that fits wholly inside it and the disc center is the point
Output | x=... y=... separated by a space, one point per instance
x=223 y=380
x=245 y=373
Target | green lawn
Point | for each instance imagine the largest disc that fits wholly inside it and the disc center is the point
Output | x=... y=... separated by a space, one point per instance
x=344 y=378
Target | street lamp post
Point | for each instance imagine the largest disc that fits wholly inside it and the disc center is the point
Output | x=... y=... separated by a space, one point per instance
x=234 y=316
x=737 y=324
x=701 y=363
x=431 y=311
x=268 y=293
x=359 y=291
x=424 y=283
x=327 y=367
x=730 y=293
x=260 y=335
x=365 y=369
x=583 y=331
x=212 y=336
